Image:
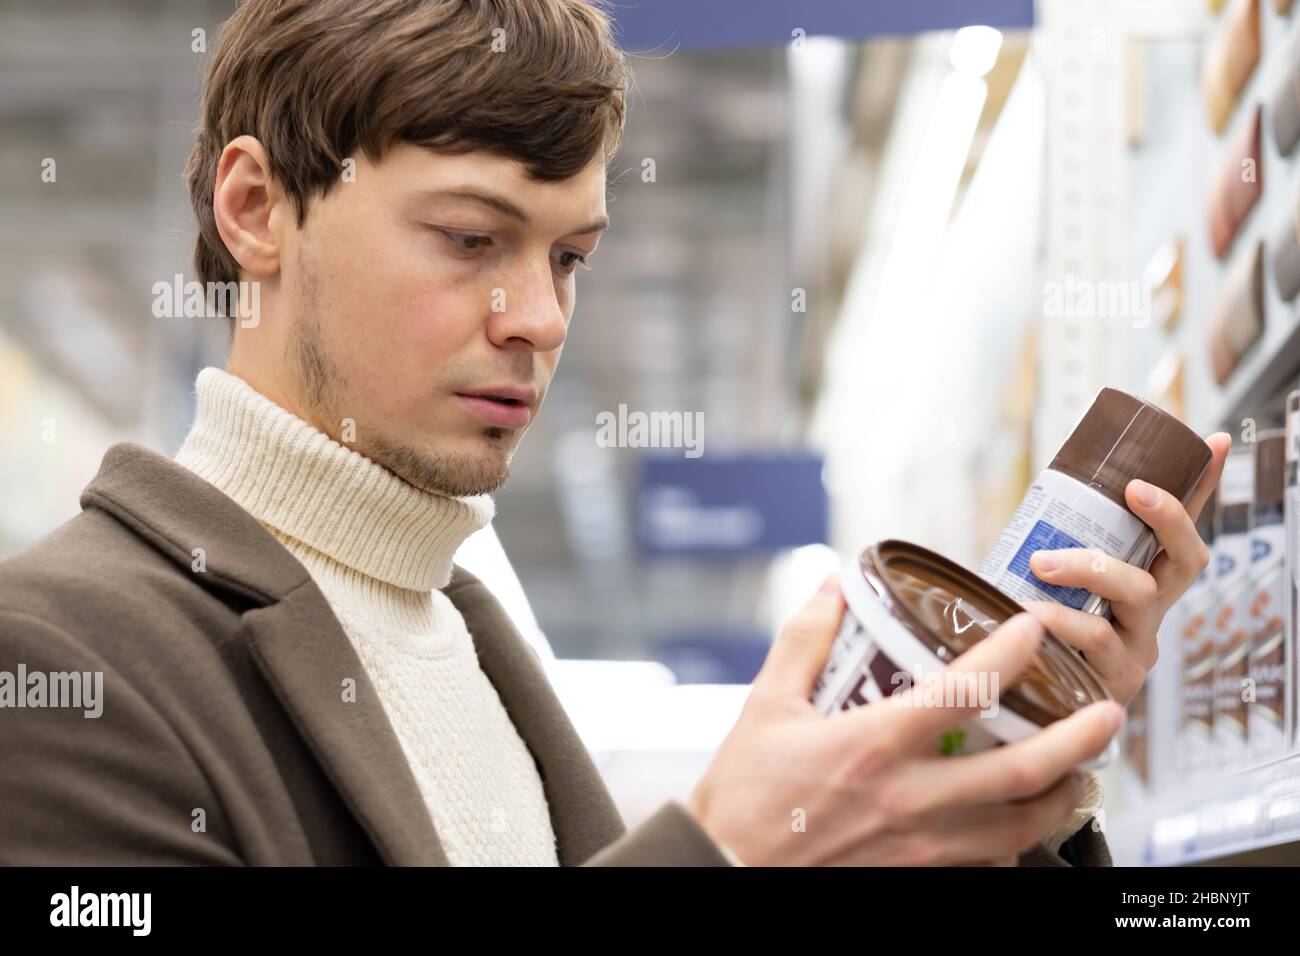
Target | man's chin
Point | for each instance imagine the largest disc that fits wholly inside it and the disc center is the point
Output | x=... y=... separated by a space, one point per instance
x=472 y=467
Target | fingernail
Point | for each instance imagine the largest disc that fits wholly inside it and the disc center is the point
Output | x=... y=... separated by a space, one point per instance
x=828 y=586
x=1147 y=494
x=1046 y=561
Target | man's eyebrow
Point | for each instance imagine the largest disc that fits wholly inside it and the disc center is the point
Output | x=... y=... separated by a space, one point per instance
x=504 y=206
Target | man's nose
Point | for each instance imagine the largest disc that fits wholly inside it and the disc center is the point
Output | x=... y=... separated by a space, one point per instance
x=527 y=312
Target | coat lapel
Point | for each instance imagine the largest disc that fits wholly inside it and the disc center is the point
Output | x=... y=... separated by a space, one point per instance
x=583 y=814
x=296 y=640
x=307 y=658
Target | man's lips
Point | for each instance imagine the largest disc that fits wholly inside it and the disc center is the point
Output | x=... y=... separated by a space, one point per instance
x=504 y=407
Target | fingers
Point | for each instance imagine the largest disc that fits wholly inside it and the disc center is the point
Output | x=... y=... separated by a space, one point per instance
x=916 y=719
x=1183 y=556
x=1023 y=769
x=1134 y=603
x=800 y=650
x=1094 y=570
x=1110 y=655
x=997 y=833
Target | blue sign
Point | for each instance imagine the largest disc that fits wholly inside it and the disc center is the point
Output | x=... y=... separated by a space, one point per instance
x=664 y=26
x=730 y=505
x=714 y=657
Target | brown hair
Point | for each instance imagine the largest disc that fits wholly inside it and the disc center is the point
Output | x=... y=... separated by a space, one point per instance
x=313 y=80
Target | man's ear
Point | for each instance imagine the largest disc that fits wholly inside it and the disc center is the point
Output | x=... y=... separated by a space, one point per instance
x=246 y=202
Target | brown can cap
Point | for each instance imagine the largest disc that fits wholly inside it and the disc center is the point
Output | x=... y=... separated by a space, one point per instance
x=1121 y=437
x=1270 y=466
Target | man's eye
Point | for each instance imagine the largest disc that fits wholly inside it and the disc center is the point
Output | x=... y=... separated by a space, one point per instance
x=467 y=241
x=569 y=261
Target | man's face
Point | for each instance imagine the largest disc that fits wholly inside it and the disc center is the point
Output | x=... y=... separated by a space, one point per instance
x=411 y=297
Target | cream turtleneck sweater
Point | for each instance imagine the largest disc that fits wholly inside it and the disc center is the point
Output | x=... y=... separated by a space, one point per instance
x=380 y=550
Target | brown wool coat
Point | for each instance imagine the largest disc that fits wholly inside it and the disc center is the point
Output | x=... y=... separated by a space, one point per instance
x=223 y=693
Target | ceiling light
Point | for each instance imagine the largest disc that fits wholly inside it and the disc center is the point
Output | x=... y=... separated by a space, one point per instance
x=975 y=50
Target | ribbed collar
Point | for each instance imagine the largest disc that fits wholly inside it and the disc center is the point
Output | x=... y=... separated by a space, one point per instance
x=290 y=475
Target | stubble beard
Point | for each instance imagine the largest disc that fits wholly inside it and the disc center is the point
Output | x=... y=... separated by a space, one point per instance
x=323 y=389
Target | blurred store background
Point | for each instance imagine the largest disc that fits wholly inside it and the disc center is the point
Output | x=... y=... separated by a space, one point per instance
x=837 y=232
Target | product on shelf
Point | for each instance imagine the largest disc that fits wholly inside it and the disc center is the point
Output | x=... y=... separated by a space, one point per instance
x=1286 y=256
x=1229 y=61
x=1197 y=646
x=1238 y=318
x=1231 y=622
x=1292 y=510
x=1267 y=713
x=1167 y=383
x=1236 y=187
x=1164 y=277
x=1285 y=104
x=1078 y=501
x=1137 y=736
x=909 y=613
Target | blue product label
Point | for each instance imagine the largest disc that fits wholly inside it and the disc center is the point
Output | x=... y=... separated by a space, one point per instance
x=1044 y=537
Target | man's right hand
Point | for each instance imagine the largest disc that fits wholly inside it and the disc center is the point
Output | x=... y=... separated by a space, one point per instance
x=868 y=787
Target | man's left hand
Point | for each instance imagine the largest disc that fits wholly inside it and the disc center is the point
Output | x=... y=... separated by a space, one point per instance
x=1124 y=649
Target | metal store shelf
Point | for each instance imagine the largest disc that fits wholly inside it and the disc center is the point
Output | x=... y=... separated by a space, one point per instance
x=1244 y=812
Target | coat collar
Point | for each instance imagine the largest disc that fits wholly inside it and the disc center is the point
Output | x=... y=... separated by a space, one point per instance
x=305 y=655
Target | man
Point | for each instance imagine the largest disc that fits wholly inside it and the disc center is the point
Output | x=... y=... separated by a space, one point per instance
x=293 y=670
